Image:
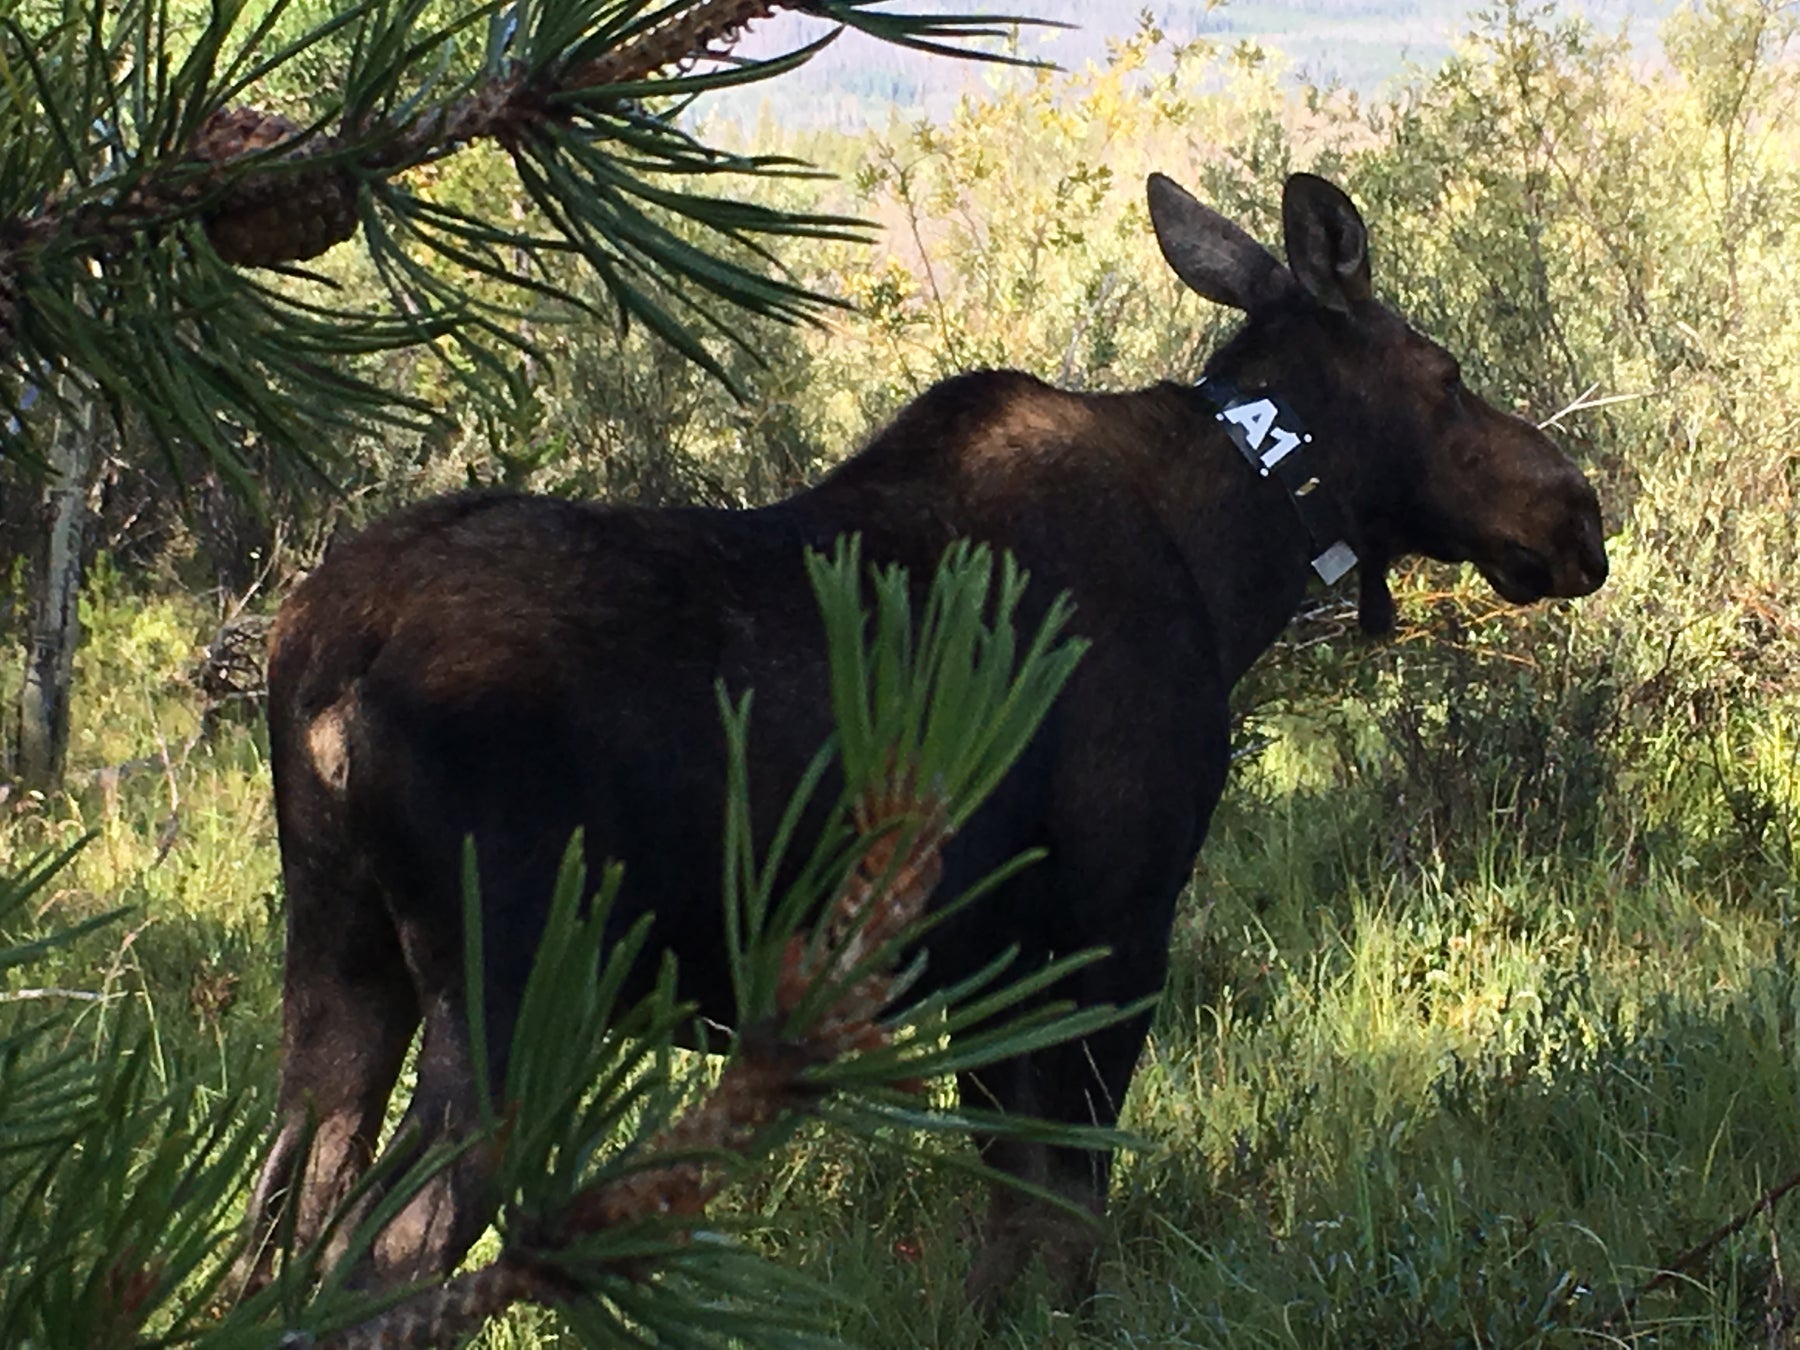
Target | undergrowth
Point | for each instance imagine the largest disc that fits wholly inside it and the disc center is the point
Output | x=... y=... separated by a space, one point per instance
x=1427 y=1071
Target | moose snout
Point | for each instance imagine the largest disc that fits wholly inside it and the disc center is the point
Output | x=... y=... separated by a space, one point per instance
x=1532 y=517
x=1590 y=564
x=1581 y=567
x=1567 y=557
x=1557 y=550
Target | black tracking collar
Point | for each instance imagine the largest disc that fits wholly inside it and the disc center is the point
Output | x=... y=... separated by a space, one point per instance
x=1273 y=441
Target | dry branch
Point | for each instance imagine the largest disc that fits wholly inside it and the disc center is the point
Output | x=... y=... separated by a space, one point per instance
x=1687 y=1261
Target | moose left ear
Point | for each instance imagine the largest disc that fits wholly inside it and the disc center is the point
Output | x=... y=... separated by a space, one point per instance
x=1327 y=242
x=1214 y=257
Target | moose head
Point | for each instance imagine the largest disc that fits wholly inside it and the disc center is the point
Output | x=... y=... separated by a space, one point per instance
x=1417 y=461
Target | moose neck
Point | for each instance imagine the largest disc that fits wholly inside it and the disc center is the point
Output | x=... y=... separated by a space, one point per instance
x=1249 y=544
x=1107 y=494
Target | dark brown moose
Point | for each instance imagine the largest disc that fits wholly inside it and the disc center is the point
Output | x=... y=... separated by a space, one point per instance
x=511 y=668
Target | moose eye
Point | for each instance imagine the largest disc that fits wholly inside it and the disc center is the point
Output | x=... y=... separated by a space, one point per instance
x=1453 y=379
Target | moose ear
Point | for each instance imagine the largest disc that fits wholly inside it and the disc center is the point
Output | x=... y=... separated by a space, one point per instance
x=1327 y=242
x=1213 y=256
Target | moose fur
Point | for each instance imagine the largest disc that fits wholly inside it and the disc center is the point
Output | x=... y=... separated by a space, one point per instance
x=512 y=667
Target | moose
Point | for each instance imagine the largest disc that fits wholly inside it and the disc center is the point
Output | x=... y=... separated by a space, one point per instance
x=510 y=668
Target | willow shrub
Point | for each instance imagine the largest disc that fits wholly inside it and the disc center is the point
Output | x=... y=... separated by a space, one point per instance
x=1604 y=238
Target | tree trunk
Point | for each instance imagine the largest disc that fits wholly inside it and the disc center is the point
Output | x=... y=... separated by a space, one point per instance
x=55 y=589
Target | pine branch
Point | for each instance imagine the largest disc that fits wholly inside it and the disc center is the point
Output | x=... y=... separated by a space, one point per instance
x=246 y=170
x=903 y=832
x=447 y=1314
x=610 y=1178
x=137 y=184
x=508 y=109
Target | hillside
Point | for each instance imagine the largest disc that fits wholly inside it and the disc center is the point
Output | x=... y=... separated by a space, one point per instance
x=1360 y=44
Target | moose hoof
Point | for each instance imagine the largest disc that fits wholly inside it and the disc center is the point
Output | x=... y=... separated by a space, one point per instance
x=1022 y=1232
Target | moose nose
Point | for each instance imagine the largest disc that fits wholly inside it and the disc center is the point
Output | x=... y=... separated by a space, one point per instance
x=1581 y=564
x=1589 y=559
x=1594 y=567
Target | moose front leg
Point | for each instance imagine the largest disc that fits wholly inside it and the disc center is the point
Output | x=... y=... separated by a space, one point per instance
x=1078 y=1083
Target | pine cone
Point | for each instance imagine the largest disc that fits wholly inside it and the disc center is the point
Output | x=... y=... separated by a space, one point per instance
x=231 y=133
x=274 y=217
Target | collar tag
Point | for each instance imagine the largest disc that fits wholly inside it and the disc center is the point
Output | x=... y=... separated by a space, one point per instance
x=1270 y=437
x=1334 y=562
x=1256 y=426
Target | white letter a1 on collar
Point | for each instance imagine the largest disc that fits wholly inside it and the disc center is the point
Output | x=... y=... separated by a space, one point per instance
x=1254 y=419
x=1255 y=422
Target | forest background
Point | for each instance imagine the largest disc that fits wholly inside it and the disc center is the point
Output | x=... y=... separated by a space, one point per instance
x=1485 y=999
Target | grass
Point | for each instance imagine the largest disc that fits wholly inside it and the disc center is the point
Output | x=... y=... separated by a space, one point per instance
x=1459 y=1092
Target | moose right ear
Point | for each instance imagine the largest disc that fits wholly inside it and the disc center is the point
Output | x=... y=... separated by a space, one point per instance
x=1213 y=256
x=1327 y=242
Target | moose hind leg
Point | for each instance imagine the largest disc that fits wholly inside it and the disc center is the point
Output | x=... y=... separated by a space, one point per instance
x=348 y=1016
x=442 y=1219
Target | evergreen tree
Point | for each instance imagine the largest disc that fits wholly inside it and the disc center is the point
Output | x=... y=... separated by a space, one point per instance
x=155 y=220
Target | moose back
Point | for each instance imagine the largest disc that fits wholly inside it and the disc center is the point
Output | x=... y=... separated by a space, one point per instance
x=512 y=668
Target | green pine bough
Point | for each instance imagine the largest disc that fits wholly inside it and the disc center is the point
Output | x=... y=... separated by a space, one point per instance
x=156 y=209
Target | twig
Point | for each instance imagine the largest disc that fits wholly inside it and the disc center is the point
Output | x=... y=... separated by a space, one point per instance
x=33 y=995
x=1585 y=402
x=1084 y=321
x=236 y=604
x=1694 y=1255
